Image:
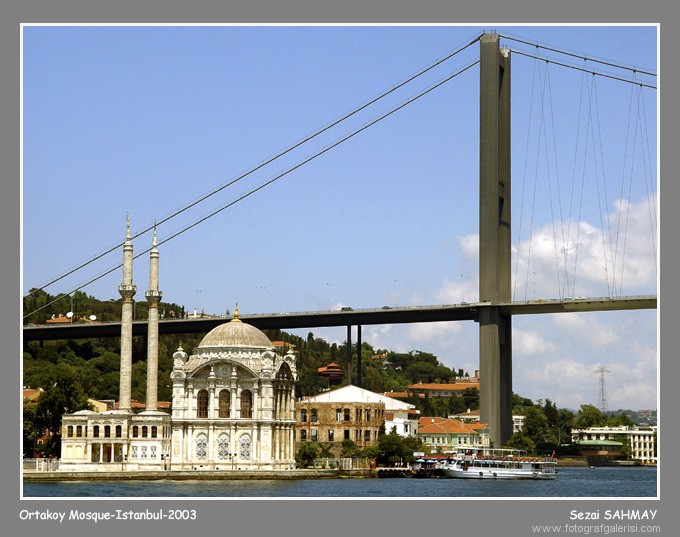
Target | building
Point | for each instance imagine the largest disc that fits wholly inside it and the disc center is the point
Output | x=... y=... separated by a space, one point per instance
x=444 y=435
x=332 y=372
x=233 y=402
x=232 y=406
x=640 y=443
x=403 y=422
x=445 y=389
x=347 y=413
x=472 y=416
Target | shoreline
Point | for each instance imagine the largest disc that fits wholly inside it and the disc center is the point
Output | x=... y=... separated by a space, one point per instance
x=189 y=475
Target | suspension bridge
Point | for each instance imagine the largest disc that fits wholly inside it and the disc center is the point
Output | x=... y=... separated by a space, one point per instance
x=497 y=302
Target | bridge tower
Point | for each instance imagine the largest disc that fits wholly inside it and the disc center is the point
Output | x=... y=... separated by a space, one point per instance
x=495 y=328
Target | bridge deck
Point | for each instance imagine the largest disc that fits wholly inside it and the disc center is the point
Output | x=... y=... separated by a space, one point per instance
x=315 y=319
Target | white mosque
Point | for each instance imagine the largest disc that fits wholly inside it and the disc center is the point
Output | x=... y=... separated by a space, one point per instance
x=232 y=402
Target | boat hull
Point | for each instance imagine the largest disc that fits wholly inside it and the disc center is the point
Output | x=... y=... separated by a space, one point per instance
x=474 y=473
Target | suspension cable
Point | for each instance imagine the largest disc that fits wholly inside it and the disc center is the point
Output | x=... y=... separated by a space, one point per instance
x=269 y=160
x=574 y=55
x=281 y=175
x=598 y=73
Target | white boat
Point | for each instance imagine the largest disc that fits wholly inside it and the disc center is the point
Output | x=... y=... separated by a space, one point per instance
x=489 y=463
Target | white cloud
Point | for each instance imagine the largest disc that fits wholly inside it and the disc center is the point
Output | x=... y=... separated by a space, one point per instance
x=579 y=259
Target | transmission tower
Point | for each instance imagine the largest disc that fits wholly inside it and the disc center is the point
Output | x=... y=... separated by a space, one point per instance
x=602 y=398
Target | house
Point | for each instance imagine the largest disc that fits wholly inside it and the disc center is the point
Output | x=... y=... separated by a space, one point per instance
x=640 y=441
x=332 y=372
x=444 y=435
x=472 y=416
x=348 y=413
x=446 y=389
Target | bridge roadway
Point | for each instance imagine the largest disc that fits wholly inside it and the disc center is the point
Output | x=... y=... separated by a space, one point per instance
x=315 y=319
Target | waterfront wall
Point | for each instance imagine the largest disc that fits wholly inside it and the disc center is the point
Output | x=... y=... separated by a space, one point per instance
x=177 y=475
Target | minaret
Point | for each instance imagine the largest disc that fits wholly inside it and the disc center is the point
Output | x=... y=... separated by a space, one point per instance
x=127 y=290
x=153 y=297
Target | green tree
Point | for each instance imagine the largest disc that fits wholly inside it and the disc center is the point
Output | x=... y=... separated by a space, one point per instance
x=348 y=448
x=521 y=441
x=471 y=398
x=589 y=416
x=537 y=428
x=306 y=454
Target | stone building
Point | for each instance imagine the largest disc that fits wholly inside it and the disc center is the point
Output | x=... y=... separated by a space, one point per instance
x=233 y=402
x=347 y=413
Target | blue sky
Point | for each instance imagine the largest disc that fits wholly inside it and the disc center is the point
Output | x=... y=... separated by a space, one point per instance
x=145 y=120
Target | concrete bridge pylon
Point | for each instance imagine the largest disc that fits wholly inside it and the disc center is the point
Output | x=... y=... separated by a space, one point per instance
x=495 y=327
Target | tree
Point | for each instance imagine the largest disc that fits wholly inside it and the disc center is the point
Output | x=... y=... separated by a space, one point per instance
x=306 y=454
x=537 y=427
x=521 y=441
x=471 y=398
x=589 y=416
x=349 y=448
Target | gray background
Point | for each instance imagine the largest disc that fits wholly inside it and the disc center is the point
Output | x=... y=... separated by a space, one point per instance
x=328 y=517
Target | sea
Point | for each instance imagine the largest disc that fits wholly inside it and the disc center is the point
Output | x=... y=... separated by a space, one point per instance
x=571 y=482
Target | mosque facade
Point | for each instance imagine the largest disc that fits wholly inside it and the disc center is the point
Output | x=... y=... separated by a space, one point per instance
x=232 y=401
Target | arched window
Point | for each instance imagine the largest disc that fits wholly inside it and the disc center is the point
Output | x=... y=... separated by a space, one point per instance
x=107 y=431
x=135 y=431
x=69 y=430
x=225 y=404
x=201 y=447
x=223 y=447
x=154 y=431
x=244 y=446
x=202 y=404
x=95 y=431
x=145 y=431
x=246 y=404
x=79 y=431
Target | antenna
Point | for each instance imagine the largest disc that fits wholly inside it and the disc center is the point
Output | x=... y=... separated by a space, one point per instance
x=602 y=398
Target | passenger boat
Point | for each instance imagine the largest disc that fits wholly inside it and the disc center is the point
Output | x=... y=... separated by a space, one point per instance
x=490 y=463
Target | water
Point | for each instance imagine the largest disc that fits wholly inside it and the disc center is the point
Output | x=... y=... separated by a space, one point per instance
x=571 y=482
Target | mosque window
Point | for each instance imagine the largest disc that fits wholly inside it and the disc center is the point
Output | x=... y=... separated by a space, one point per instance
x=79 y=431
x=119 y=431
x=244 y=446
x=201 y=447
x=225 y=404
x=223 y=447
x=135 y=431
x=107 y=431
x=246 y=404
x=202 y=404
x=69 y=431
x=95 y=431
x=154 y=431
x=145 y=431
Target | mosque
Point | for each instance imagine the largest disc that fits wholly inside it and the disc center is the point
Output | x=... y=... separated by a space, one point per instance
x=232 y=401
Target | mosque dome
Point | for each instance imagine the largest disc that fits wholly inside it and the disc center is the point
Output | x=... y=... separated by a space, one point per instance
x=235 y=333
